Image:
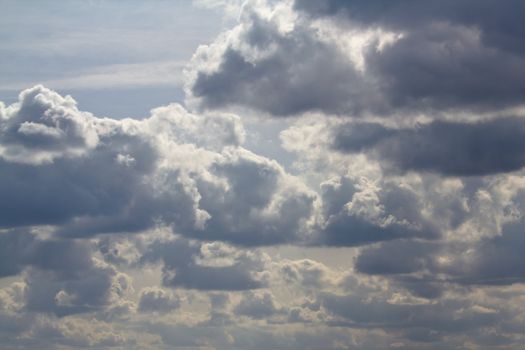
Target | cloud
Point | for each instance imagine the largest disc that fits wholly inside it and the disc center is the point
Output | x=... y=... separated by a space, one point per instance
x=358 y=211
x=377 y=58
x=412 y=14
x=400 y=232
x=109 y=175
x=259 y=66
x=158 y=300
x=43 y=126
x=421 y=319
x=257 y=306
x=451 y=54
x=185 y=265
x=60 y=276
x=150 y=74
x=309 y=274
x=448 y=148
x=94 y=288
x=428 y=269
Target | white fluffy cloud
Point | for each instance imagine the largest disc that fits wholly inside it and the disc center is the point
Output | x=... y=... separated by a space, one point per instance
x=174 y=168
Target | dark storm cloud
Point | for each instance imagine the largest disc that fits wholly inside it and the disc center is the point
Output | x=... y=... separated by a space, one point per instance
x=440 y=62
x=448 y=148
x=440 y=68
x=449 y=56
x=492 y=18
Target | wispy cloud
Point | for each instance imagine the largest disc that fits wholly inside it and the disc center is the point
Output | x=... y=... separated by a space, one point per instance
x=165 y=73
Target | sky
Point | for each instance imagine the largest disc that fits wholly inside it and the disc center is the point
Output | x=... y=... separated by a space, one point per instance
x=262 y=174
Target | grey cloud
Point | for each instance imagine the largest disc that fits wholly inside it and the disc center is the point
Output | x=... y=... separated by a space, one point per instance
x=186 y=336
x=20 y=249
x=92 y=184
x=464 y=54
x=43 y=126
x=80 y=187
x=49 y=332
x=426 y=286
x=443 y=68
x=257 y=306
x=170 y=172
x=496 y=260
x=87 y=291
x=429 y=318
x=158 y=300
x=295 y=73
x=13 y=257
x=219 y=301
x=261 y=206
x=357 y=212
x=407 y=263
x=165 y=169
x=355 y=231
x=450 y=56
x=308 y=273
x=448 y=148
x=61 y=276
x=494 y=19
x=395 y=258
x=181 y=268
x=426 y=269
x=358 y=137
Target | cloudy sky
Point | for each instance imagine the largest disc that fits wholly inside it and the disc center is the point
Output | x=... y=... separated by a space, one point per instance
x=262 y=174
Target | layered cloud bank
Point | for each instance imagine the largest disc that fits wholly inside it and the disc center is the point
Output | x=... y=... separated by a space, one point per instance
x=398 y=225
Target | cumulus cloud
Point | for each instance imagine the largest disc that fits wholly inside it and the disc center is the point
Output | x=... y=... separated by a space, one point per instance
x=468 y=258
x=377 y=58
x=165 y=169
x=400 y=232
x=186 y=264
x=309 y=274
x=158 y=300
x=281 y=71
x=257 y=306
x=43 y=126
x=61 y=276
x=358 y=211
